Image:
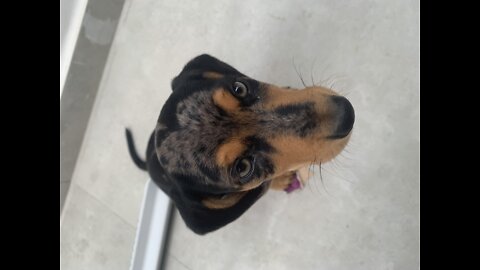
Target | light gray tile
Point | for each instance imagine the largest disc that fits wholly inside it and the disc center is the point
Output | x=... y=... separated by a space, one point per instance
x=83 y=79
x=84 y=75
x=172 y=263
x=92 y=236
x=106 y=172
x=368 y=217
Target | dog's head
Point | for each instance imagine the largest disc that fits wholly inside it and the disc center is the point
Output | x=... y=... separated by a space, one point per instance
x=221 y=136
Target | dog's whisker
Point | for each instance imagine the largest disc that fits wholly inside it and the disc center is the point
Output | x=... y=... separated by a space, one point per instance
x=313 y=178
x=299 y=75
x=342 y=91
x=308 y=177
x=327 y=81
x=331 y=82
x=311 y=172
x=311 y=71
x=346 y=155
x=335 y=165
x=333 y=85
x=344 y=160
x=311 y=77
x=321 y=178
x=323 y=72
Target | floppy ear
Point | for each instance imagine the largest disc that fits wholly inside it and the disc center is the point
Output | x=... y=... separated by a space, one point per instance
x=192 y=205
x=200 y=210
x=155 y=170
x=202 y=219
x=195 y=68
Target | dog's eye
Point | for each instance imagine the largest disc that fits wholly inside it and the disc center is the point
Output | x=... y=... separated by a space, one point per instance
x=240 y=89
x=243 y=168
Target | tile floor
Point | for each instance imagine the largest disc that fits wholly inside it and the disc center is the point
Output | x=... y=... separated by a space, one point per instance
x=365 y=215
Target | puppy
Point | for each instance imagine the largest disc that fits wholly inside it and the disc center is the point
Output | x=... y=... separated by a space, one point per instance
x=223 y=139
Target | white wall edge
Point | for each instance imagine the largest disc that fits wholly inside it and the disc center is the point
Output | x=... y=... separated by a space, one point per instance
x=73 y=23
x=151 y=229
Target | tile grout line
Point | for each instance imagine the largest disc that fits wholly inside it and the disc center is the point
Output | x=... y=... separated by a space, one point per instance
x=180 y=262
x=134 y=227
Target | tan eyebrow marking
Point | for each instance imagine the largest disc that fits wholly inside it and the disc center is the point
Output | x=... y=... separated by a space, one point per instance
x=220 y=203
x=212 y=75
x=225 y=100
x=228 y=152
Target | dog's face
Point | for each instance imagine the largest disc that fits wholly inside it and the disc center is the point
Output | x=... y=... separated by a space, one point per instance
x=222 y=136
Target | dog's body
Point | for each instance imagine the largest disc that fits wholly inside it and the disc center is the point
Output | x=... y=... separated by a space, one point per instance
x=222 y=139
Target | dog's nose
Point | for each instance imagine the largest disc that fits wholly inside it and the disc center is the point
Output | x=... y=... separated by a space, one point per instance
x=344 y=117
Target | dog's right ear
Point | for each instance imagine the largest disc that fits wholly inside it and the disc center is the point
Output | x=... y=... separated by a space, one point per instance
x=196 y=203
x=195 y=69
x=202 y=219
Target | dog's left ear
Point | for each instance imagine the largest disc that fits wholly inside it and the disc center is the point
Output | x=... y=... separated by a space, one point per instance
x=198 y=66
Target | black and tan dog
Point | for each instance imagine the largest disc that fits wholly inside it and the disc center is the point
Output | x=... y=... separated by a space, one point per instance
x=222 y=139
